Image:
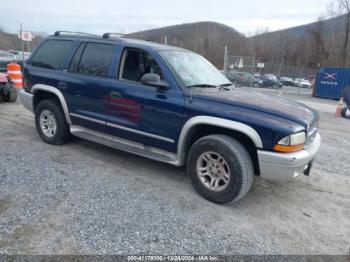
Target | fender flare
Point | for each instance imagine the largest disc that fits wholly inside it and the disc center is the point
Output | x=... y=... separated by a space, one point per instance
x=57 y=93
x=214 y=121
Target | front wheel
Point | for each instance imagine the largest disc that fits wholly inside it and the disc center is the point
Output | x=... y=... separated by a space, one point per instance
x=51 y=123
x=221 y=168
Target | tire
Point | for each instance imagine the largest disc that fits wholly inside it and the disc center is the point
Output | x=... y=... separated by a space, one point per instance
x=13 y=94
x=61 y=133
x=238 y=162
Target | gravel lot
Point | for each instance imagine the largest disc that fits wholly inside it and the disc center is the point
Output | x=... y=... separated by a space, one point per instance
x=83 y=198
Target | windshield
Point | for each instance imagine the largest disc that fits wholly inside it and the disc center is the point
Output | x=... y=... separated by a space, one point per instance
x=194 y=69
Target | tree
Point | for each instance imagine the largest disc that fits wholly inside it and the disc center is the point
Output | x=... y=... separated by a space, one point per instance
x=344 y=7
x=317 y=33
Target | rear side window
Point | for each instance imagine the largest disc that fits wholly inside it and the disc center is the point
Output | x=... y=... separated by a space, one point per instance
x=96 y=59
x=51 y=54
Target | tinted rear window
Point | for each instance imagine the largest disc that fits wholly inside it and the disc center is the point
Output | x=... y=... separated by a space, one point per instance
x=51 y=54
x=96 y=59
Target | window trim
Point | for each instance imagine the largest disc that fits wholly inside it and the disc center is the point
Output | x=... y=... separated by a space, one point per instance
x=122 y=63
x=121 y=66
x=61 y=66
x=83 y=43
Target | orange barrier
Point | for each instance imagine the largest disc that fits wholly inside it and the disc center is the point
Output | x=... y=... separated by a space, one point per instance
x=14 y=72
x=339 y=107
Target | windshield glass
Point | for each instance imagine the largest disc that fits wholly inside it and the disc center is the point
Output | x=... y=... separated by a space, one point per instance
x=194 y=69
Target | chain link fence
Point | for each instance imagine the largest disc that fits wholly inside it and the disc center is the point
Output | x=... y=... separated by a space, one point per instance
x=251 y=68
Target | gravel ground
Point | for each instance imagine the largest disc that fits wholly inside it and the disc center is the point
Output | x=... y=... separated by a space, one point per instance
x=84 y=198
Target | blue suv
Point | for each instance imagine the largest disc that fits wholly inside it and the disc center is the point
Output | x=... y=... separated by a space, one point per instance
x=168 y=104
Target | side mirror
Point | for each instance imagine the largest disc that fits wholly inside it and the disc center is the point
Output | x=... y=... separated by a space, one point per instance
x=152 y=79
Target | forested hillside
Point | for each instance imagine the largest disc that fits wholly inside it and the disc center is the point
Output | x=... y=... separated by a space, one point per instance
x=322 y=43
x=206 y=38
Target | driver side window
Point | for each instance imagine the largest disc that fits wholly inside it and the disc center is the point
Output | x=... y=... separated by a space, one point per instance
x=135 y=63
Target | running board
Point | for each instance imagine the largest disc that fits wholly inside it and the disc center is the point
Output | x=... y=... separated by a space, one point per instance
x=124 y=145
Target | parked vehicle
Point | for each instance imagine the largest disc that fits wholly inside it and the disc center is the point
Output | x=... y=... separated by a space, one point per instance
x=271 y=77
x=266 y=82
x=8 y=90
x=243 y=79
x=170 y=105
x=287 y=81
x=20 y=56
x=236 y=78
x=5 y=58
x=254 y=81
x=304 y=83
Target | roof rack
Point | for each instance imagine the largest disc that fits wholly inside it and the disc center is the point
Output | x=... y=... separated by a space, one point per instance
x=109 y=35
x=58 y=33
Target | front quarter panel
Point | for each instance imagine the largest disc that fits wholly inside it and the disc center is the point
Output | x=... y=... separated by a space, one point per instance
x=270 y=128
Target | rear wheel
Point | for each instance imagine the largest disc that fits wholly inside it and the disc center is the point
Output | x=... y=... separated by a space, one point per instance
x=51 y=123
x=221 y=168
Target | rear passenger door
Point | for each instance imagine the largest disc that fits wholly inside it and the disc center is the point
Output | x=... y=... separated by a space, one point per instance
x=86 y=83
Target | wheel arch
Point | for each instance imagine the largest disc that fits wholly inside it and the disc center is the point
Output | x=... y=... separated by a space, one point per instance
x=41 y=92
x=201 y=126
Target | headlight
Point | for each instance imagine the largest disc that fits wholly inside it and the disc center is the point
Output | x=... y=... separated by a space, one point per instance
x=292 y=143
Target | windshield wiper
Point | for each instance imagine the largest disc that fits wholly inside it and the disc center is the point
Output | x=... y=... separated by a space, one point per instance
x=203 y=86
x=226 y=85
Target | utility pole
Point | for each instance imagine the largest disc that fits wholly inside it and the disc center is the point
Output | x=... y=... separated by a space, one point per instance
x=253 y=71
x=21 y=30
x=225 y=59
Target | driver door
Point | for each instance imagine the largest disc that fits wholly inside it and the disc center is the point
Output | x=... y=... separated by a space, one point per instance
x=144 y=113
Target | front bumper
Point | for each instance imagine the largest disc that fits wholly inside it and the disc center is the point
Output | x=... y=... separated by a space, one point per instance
x=280 y=166
x=26 y=100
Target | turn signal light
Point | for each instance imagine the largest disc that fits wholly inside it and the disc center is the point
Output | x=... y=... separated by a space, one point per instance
x=288 y=149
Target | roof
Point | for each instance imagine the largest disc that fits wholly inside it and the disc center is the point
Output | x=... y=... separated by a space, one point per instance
x=123 y=39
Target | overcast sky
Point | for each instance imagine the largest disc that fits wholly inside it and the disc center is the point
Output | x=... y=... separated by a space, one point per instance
x=98 y=16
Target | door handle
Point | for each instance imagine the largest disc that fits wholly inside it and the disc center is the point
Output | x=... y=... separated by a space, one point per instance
x=116 y=94
x=62 y=85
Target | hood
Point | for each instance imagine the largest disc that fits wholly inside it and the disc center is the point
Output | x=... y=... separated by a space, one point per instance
x=270 y=104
